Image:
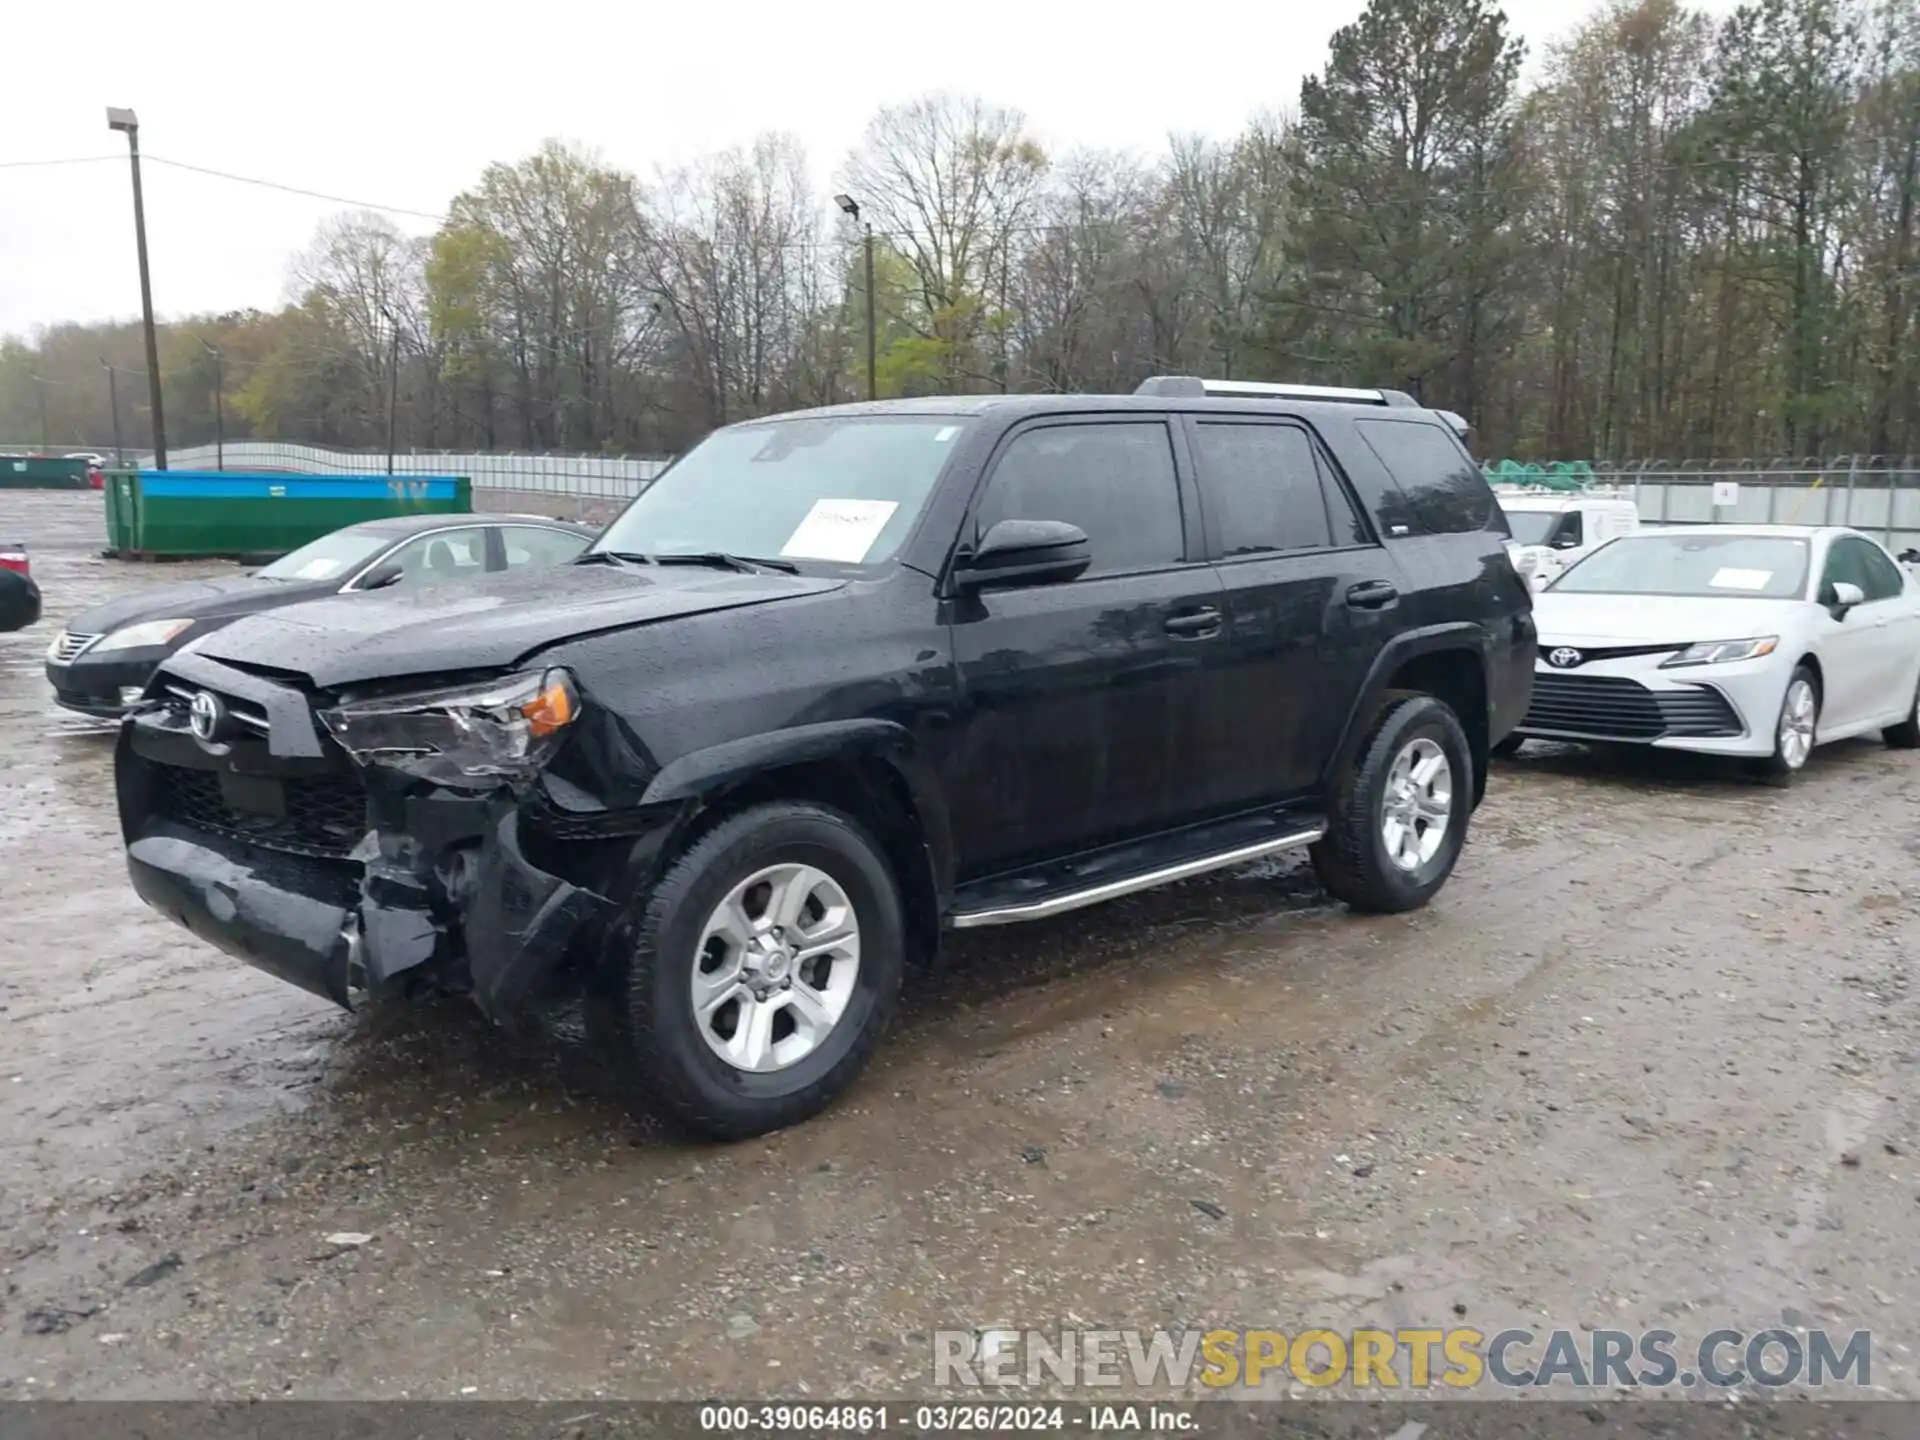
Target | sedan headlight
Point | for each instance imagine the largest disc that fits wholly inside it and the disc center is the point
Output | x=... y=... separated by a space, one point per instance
x=139 y=637
x=471 y=735
x=1715 y=652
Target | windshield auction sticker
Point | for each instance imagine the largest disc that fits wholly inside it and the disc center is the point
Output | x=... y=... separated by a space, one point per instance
x=842 y=530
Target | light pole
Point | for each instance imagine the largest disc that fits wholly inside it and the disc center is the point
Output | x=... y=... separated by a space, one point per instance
x=852 y=208
x=128 y=122
x=219 y=412
x=113 y=404
x=40 y=393
x=393 y=380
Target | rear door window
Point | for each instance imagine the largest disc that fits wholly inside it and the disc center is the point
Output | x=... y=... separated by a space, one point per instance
x=1445 y=490
x=532 y=547
x=1261 y=487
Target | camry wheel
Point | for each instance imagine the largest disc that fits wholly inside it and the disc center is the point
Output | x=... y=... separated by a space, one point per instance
x=1400 y=817
x=746 y=988
x=1796 y=731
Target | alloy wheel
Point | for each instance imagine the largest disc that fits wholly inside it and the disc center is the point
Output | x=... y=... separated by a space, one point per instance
x=775 y=967
x=1418 y=805
x=1797 y=718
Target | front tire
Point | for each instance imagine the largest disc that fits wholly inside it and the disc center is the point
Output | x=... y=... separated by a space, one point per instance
x=1400 y=815
x=1796 y=731
x=747 y=988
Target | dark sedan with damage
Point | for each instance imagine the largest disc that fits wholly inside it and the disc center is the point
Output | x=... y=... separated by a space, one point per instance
x=102 y=661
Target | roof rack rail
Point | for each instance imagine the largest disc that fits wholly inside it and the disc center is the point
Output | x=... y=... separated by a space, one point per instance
x=1193 y=387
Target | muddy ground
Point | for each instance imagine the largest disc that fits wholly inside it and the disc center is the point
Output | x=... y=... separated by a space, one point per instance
x=1649 y=1060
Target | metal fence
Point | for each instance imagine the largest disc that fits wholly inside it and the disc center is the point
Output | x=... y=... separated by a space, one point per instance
x=590 y=477
x=1878 y=494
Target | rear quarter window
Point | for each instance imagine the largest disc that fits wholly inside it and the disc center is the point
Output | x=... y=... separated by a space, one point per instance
x=1445 y=490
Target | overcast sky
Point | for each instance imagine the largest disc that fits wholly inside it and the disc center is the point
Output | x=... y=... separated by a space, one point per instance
x=403 y=102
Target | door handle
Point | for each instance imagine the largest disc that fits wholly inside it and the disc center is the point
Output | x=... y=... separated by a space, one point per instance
x=1372 y=595
x=1194 y=624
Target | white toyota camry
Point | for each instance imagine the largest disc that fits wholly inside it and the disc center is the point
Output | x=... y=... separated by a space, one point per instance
x=1756 y=640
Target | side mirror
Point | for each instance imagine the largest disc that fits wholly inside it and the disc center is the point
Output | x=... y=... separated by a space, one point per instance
x=1846 y=595
x=386 y=573
x=1026 y=552
x=1566 y=542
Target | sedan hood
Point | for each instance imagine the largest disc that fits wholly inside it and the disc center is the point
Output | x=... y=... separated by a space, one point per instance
x=484 y=624
x=1576 y=619
x=194 y=599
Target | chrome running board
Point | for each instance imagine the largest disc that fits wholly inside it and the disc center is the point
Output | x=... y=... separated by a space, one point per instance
x=1051 y=905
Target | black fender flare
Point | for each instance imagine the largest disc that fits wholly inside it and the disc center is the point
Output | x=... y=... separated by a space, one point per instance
x=701 y=774
x=1408 y=645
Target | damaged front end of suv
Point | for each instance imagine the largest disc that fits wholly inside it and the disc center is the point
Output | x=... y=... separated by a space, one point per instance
x=392 y=836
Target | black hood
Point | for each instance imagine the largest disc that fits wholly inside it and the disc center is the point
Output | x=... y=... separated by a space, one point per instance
x=485 y=624
x=198 y=600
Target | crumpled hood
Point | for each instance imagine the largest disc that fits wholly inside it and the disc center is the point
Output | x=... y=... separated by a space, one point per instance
x=1574 y=619
x=197 y=599
x=485 y=624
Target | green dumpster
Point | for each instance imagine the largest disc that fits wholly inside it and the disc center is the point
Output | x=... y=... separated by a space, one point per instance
x=41 y=472
x=119 y=503
x=232 y=513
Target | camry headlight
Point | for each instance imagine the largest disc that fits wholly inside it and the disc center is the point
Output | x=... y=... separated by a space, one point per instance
x=469 y=735
x=139 y=637
x=1715 y=652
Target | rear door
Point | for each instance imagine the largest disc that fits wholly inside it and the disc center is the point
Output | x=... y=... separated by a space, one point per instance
x=1081 y=695
x=1311 y=599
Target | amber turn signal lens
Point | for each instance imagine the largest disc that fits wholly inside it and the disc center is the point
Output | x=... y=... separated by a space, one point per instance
x=553 y=709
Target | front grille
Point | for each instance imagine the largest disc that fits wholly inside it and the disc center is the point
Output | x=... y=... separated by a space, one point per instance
x=1612 y=707
x=244 y=712
x=69 y=643
x=325 y=816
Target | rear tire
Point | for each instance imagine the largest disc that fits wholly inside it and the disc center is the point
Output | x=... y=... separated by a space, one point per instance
x=704 y=939
x=1400 y=815
x=1905 y=735
x=1795 y=731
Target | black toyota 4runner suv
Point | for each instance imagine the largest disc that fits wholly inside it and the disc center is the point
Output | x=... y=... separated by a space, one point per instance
x=839 y=681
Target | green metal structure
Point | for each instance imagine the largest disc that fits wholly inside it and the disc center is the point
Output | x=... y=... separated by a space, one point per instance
x=177 y=513
x=41 y=472
x=1554 y=475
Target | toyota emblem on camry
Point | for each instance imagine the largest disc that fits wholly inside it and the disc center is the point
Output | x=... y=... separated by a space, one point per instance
x=206 y=716
x=1565 y=658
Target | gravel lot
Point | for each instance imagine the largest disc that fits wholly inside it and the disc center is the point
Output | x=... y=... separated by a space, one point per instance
x=1648 y=1061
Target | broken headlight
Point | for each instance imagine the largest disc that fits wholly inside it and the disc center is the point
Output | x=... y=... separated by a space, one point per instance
x=469 y=735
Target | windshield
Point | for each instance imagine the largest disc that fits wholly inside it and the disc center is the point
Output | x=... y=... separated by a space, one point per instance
x=843 y=489
x=1770 y=567
x=328 y=558
x=1531 y=527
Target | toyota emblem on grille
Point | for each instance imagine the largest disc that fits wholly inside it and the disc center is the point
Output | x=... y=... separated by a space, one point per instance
x=1565 y=657
x=207 y=716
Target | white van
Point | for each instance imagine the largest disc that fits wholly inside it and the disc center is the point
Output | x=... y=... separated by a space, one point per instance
x=1554 y=528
